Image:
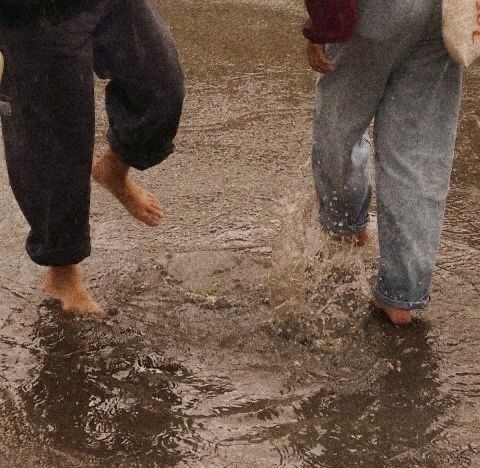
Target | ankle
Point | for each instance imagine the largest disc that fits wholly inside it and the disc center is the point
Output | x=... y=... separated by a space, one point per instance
x=63 y=270
x=358 y=239
x=63 y=275
x=113 y=165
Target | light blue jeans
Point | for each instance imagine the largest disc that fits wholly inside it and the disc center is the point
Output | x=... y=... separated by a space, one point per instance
x=396 y=71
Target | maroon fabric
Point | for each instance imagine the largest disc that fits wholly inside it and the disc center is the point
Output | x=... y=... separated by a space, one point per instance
x=330 y=20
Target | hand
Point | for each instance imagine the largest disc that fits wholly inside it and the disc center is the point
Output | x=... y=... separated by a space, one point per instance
x=317 y=58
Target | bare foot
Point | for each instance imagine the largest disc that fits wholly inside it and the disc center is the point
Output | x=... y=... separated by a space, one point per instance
x=398 y=317
x=359 y=239
x=112 y=173
x=66 y=285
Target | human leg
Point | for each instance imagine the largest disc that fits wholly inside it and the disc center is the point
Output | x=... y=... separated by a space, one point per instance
x=346 y=101
x=48 y=137
x=415 y=130
x=144 y=97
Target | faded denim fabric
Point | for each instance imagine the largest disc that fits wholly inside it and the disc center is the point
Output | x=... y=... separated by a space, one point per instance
x=411 y=87
x=380 y=20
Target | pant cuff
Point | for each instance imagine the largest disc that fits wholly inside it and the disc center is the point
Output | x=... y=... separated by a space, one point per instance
x=136 y=159
x=341 y=228
x=403 y=305
x=60 y=257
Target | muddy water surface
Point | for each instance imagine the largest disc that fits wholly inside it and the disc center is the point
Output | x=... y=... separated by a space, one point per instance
x=238 y=335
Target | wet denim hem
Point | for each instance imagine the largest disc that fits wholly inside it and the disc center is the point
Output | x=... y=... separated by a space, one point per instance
x=60 y=257
x=403 y=305
x=344 y=230
x=134 y=159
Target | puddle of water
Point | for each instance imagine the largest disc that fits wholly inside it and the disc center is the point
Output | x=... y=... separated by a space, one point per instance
x=225 y=351
x=405 y=412
x=316 y=379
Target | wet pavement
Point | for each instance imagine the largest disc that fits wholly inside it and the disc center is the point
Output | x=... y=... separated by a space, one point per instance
x=238 y=335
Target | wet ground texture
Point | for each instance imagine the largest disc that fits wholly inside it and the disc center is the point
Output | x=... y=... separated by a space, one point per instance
x=238 y=334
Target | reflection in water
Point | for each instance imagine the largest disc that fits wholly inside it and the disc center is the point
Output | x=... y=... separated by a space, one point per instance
x=389 y=413
x=115 y=401
x=334 y=386
x=104 y=398
x=395 y=416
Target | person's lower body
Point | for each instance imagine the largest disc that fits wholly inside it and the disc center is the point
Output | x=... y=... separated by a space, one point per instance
x=48 y=130
x=411 y=88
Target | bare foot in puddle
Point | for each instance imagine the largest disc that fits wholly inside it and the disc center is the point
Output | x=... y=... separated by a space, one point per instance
x=398 y=317
x=112 y=173
x=65 y=284
x=359 y=239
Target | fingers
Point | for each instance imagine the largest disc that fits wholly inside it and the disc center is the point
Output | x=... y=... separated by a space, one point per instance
x=2 y=63
x=318 y=59
x=323 y=66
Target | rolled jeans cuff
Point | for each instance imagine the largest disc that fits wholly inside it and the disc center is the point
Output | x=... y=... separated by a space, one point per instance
x=71 y=255
x=342 y=228
x=403 y=305
x=140 y=159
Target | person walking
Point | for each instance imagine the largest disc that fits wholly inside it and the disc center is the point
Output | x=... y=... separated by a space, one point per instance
x=52 y=49
x=385 y=61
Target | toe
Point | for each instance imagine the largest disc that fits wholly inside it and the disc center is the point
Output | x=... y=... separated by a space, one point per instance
x=155 y=202
x=89 y=308
x=98 y=311
x=155 y=210
x=151 y=219
x=153 y=222
x=152 y=198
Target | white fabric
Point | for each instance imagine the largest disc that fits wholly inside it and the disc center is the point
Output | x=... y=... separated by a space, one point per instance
x=461 y=30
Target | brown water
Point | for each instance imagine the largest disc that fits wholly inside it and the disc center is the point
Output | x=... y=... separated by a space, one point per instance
x=238 y=335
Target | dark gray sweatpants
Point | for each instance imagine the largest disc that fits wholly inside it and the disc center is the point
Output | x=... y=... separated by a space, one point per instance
x=49 y=130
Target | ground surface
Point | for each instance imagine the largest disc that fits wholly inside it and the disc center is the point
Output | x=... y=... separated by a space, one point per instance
x=238 y=335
